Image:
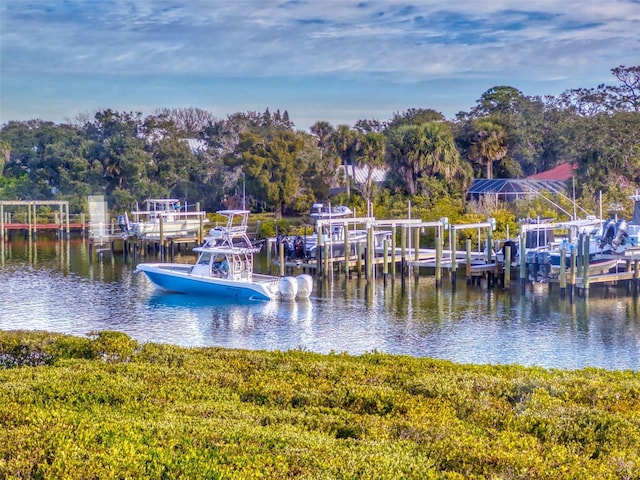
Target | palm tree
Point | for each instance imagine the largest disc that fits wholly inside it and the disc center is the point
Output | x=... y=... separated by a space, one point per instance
x=322 y=131
x=489 y=145
x=426 y=150
x=344 y=144
x=371 y=155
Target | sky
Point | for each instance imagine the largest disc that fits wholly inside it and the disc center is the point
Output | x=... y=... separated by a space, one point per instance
x=333 y=60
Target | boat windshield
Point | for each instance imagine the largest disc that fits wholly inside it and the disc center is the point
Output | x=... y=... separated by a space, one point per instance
x=204 y=259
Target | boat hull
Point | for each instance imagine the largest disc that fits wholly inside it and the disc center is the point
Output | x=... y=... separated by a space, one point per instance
x=177 y=278
x=596 y=267
x=169 y=228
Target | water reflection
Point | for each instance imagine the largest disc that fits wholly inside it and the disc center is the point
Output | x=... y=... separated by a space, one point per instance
x=53 y=285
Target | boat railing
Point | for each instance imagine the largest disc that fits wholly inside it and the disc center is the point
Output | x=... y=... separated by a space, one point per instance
x=152 y=215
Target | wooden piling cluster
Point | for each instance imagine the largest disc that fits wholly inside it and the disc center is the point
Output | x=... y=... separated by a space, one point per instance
x=480 y=265
x=134 y=247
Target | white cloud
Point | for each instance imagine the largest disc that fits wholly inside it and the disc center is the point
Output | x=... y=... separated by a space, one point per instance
x=577 y=41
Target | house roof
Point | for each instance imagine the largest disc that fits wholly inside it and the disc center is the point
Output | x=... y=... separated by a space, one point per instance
x=562 y=172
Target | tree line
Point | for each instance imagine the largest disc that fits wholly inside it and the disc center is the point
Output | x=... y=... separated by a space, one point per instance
x=192 y=155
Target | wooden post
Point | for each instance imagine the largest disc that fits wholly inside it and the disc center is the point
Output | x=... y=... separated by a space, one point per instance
x=1 y=221
x=572 y=274
x=60 y=220
x=393 y=250
x=326 y=266
x=385 y=258
x=585 y=262
x=507 y=267
x=161 y=218
x=522 y=251
x=580 y=256
x=468 y=264
x=319 y=253
x=452 y=239
x=563 y=272
x=67 y=221
x=370 y=252
x=281 y=258
x=438 y=260
x=403 y=248
x=201 y=226
x=32 y=219
x=636 y=277
x=347 y=252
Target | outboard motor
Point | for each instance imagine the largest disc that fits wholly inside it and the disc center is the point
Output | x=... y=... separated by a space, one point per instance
x=123 y=223
x=288 y=245
x=538 y=265
x=288 y=288
x=621 y=234
x=514 y=249
x=298 y=247
x=544 y=264
x=608 y=233
x=305 y=285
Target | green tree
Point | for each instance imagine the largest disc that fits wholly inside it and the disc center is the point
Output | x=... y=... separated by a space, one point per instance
x=522 y=119
x=420 y=153
x=5 y=155
x=344 y=144
x=488 y=144
x=271 y=165
x=174 y=164
x=119 y=143
x=371 y=156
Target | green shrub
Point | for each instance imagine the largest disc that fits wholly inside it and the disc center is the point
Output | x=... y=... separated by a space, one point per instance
x=160 y=411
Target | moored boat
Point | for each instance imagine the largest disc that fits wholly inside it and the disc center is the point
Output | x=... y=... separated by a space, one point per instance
x=331 y=225
x=598 y=264
x=162 y=215
x=224 y=268
x=619 y=236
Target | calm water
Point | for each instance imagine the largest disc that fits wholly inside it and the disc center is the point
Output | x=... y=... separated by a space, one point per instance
x=51 y=285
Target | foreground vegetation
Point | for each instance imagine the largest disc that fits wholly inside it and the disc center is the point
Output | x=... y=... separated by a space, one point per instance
x=108 y=407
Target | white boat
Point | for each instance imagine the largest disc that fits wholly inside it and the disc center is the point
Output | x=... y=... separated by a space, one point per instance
x=225 y=269
x=598 y=263
x=167 y=214
x=544 y=241
x=330 y=224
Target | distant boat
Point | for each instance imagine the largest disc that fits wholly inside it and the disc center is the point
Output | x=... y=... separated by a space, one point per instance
x=617 y=235
x=225 y=269
x=175 y=218
x=598 y=264
x=331 y=234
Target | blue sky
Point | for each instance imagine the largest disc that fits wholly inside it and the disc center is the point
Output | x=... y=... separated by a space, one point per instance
x=333 y=60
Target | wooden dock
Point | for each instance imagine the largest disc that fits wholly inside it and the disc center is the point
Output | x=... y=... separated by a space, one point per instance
x=32 y=219
x=475 y=266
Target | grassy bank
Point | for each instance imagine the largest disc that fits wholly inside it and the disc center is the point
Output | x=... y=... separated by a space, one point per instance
x=107 y=407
